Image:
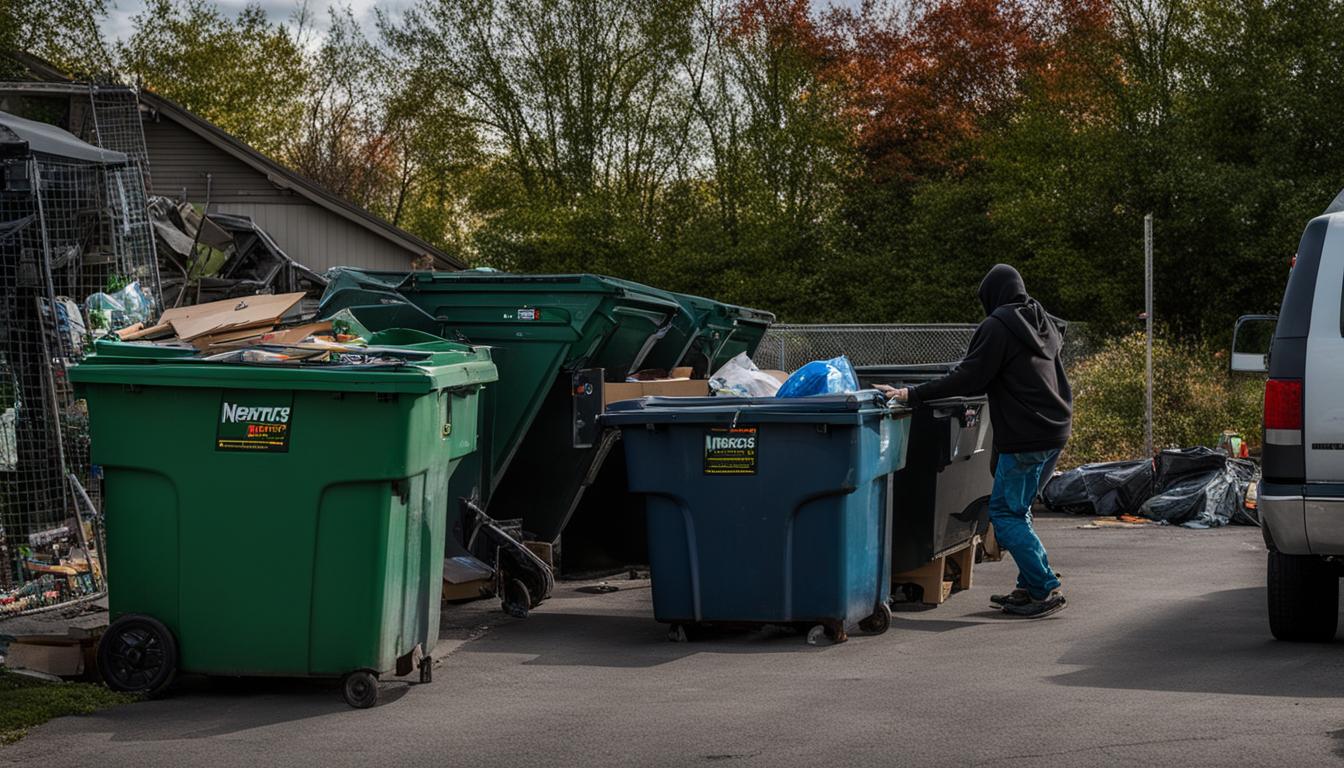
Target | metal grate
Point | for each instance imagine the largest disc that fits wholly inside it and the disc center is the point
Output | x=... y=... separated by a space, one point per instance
x=117 y=125
x=787 y=347
x=68 y=229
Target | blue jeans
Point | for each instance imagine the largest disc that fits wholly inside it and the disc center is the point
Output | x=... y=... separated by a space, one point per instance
x=1016 y=481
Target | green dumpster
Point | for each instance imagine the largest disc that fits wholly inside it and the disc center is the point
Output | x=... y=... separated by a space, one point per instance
x=705 y=334
x=277 y=520
x=543 y=330
x=726 y=331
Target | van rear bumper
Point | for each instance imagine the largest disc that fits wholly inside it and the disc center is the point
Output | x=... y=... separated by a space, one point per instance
x=1303 y=519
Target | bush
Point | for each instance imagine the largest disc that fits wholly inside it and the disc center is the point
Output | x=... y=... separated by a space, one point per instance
x=1194 y=400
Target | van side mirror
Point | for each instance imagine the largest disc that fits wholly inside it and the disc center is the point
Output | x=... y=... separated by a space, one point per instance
x=1251 y=341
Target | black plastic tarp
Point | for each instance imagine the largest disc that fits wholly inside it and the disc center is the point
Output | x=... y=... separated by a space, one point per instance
x=1109 y=488
x=1196 y=487
x=1200 y=488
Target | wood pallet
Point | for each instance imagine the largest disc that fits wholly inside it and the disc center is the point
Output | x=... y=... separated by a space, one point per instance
x=940 y=577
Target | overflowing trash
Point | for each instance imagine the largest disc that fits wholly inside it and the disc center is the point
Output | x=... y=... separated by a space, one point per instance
x=1193 y=487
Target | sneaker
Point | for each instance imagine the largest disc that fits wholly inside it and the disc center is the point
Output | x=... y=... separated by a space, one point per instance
x=1038 y=609
x=1016 y=597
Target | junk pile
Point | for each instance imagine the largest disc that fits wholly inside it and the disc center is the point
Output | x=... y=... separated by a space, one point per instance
x=229 y=327
x=1191 y=487
x=218 y=256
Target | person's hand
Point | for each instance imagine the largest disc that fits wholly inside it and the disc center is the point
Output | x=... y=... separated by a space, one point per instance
x=892 y=393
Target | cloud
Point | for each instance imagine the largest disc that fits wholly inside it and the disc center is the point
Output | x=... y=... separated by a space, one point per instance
x=118 y=25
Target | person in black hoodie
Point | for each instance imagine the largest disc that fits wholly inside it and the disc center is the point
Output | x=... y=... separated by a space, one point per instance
x=1014 y=359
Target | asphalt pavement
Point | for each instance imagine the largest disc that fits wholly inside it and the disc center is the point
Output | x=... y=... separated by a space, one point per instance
x=1163 y=657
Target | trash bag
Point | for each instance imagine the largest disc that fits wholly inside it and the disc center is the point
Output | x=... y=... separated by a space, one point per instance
x=1066 y=492
x=1208 y=500
x=1109 y=488
x=112 y=311
x=1200 y=488
x=740 y=377
x=821 y=377
x=1175 y=464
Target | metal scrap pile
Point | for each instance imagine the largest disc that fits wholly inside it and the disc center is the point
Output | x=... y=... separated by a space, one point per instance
x=221 y=256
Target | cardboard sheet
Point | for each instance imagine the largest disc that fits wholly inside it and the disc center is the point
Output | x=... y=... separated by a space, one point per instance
x=230 y=314
x=631 y=390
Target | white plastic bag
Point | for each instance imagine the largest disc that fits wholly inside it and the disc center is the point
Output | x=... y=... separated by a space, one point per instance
x=740 y=377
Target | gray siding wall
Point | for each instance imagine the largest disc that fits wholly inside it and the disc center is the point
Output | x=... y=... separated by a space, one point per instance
x=310 y=234
x=179 y=159
x=319 y=239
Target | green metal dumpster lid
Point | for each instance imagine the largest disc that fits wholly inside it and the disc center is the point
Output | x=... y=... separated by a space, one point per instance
x=445 y=365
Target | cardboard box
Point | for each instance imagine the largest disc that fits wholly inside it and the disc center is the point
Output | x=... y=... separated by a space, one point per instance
x=633 y=390
x=58 y=656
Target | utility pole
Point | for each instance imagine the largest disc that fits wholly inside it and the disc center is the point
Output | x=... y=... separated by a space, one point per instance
x=1148 y=318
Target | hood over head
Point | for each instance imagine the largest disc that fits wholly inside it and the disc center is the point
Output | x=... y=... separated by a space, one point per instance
x=1004 y=297
x=1002 y=285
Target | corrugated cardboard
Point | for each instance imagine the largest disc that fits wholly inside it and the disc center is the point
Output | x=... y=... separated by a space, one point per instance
x=631 y=390
x=230 y=314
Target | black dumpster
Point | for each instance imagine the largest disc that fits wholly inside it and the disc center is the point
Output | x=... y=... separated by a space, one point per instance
x=941 y=498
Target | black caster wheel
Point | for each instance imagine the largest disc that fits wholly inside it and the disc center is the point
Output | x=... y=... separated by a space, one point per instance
x=427 y=669
x=517 y=600
x=879 y=622
x=678 y=634
x=137 y=654
x=361 y=689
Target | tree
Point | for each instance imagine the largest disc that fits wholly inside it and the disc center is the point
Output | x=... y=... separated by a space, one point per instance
x=63 y=32
x=247 y=75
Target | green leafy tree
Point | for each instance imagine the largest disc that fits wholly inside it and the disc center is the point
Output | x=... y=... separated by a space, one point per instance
x=63 y=32
x=248 y=75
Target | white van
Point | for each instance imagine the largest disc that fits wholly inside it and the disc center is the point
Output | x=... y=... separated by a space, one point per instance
x=1301 y=495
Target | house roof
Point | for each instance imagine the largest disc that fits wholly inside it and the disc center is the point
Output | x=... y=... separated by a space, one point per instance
x=274 y=172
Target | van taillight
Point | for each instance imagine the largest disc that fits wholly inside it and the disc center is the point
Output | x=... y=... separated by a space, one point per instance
x=1283 y=404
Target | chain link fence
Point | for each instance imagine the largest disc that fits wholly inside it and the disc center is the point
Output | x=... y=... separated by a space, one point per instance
x=787 y=347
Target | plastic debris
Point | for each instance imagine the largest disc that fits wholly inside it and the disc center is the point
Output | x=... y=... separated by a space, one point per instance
x=821 y=377
x=739 y=377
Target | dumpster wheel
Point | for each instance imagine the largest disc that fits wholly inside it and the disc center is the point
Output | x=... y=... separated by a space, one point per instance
x=517 y=599
x=361 y=689
x=827 y=633
x=879 y=622
x=137 y=654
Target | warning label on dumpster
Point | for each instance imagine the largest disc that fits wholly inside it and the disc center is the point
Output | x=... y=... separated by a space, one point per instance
x=254 y=421
x=730 y=451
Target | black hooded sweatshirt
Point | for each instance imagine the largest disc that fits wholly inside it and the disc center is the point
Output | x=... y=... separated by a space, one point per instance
x=1014 y=358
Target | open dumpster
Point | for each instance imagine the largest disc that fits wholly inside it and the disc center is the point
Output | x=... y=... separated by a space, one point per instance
x=765 y=510
x=555 y=339
x=941 y=497
x=704 y=334
x=278 y=519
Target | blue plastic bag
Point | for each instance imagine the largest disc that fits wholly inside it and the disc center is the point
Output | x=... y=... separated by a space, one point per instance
x=821 y=377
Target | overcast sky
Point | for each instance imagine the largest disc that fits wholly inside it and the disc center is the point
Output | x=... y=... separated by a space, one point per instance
x=119 y=12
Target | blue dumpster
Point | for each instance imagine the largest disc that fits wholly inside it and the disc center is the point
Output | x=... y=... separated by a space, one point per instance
x=767 y=511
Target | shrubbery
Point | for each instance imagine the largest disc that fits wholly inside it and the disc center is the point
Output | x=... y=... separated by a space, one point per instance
x=1194 y=400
